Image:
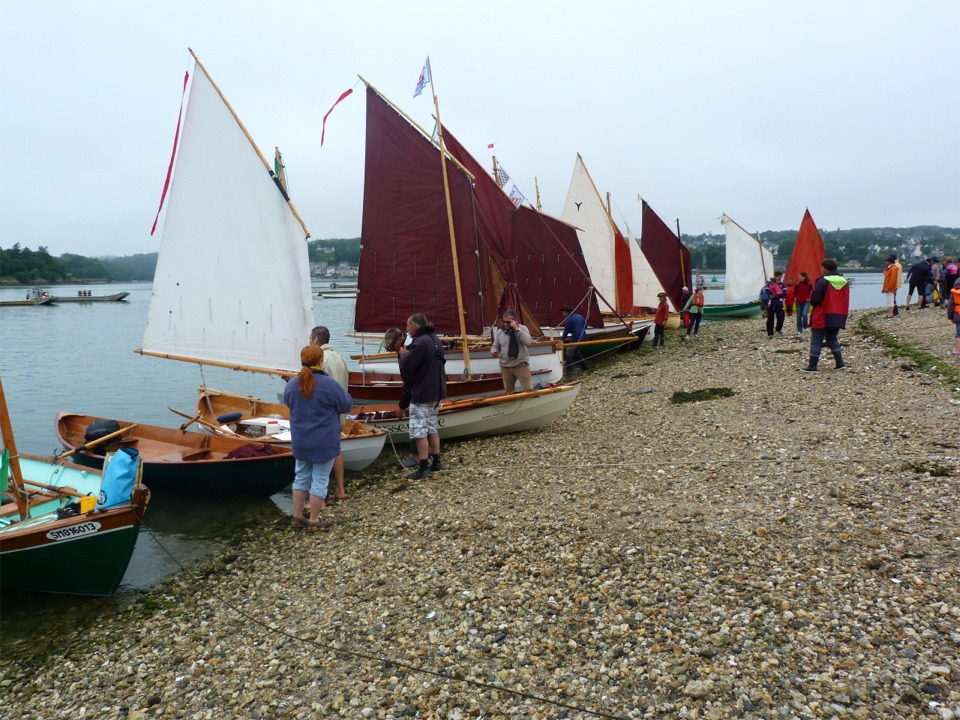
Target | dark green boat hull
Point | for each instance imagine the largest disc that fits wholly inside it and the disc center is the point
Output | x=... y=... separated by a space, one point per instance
x=89 y=565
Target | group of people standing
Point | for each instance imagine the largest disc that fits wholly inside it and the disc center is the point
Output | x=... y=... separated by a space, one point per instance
x=780 y=299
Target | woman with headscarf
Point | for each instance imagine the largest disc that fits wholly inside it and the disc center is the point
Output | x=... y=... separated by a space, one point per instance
x=316 y=402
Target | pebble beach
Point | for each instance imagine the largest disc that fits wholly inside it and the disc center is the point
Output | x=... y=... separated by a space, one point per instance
x=787 y=548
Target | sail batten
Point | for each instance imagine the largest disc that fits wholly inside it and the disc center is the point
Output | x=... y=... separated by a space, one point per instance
x=232 y=254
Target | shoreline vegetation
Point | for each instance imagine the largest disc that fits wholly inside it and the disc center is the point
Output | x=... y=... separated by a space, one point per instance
x=785 y=549
x=855 y=249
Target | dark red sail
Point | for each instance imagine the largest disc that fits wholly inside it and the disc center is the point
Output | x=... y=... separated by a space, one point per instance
x=406 y=262
x=668 y=257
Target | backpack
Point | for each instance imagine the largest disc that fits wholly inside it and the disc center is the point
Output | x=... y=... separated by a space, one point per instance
x=765 y=293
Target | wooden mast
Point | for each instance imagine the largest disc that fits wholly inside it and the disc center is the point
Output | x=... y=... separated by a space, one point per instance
x=683 y=270
x=537 y=186
x=496 y=175
x=6 y=429
x=244 y=129
x=453 y=237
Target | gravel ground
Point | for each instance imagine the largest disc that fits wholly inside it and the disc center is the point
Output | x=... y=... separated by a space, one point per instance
x=791 y=550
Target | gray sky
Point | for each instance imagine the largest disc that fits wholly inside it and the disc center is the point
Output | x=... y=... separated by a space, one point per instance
x=754 y=108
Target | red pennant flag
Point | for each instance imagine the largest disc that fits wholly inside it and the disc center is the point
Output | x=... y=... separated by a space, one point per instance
x=176 y=139
x=323 y=130
x=490 y=146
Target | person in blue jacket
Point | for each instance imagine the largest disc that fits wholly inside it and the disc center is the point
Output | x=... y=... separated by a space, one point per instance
x=574 y=330
x=316 y=402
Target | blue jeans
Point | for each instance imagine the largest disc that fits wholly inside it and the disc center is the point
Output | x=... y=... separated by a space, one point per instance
x=803 y=319
x=312 y=476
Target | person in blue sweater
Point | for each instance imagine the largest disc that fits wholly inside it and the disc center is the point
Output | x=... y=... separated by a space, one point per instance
x=574 y=330
x=316 y=402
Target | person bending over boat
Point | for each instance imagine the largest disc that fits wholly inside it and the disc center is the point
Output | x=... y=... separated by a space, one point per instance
x=574 y=330
x=421 y=367
x=510 y=343
x=316 y=402
x=336 y=367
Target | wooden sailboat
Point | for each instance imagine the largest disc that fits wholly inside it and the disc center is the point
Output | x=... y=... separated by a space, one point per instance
x=749 y=268
x=440 y=239
x=182 y=461
x=621 y=274
x=232 y=284
x=52 y=538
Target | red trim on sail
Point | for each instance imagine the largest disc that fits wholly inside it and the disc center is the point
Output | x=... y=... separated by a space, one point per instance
x=624 y=269
x=173 y=154
x=808 y=251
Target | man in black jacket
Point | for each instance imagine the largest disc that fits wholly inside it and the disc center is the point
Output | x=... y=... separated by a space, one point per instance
x=422 y=370
x=918 y=276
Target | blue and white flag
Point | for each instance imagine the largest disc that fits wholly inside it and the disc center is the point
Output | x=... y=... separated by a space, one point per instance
x=516 y=197
x=424 y=78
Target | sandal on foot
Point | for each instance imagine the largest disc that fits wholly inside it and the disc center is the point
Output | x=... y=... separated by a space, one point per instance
x=323 y=523
x=298 y=523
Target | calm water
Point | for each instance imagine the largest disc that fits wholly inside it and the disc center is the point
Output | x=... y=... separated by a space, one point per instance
x=79 y=357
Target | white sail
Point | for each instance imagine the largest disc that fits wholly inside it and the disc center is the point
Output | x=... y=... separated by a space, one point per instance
x=749 y=263
x=232 y=283
x=585 y=211
x=645 y=282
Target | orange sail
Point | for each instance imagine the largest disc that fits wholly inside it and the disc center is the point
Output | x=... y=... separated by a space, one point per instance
x=808 y=252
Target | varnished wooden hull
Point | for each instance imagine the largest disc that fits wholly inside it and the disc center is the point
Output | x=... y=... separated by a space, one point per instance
x=177 y=461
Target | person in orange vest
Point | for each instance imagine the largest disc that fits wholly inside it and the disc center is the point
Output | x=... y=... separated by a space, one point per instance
x=953 y=312
x=660 y=320
x=889 y=289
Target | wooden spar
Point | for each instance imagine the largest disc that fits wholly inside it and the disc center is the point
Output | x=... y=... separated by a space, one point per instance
x=278 y=166
x=496 y=175
x=215 y=363
x=6 y=431
x=683 y=270
x=417 y=125
x=244 y=129
x=206 y=424
x=453 y=237
x=537 y=186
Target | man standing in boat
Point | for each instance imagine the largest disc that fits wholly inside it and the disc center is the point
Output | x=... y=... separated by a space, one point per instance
x=336 y=367
x=510 y=343
x=421 y=367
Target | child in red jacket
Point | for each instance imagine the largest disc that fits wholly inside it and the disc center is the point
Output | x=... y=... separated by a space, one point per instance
x=660 y=320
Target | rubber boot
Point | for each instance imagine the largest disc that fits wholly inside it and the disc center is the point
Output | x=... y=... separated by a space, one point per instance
x=812 y=367
x=838 y=357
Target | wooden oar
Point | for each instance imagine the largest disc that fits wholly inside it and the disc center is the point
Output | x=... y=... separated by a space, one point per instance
x=189 y=422
x=88 y=445
x=198 y=419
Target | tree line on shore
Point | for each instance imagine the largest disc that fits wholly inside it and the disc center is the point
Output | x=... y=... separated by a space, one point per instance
x=863 y=247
